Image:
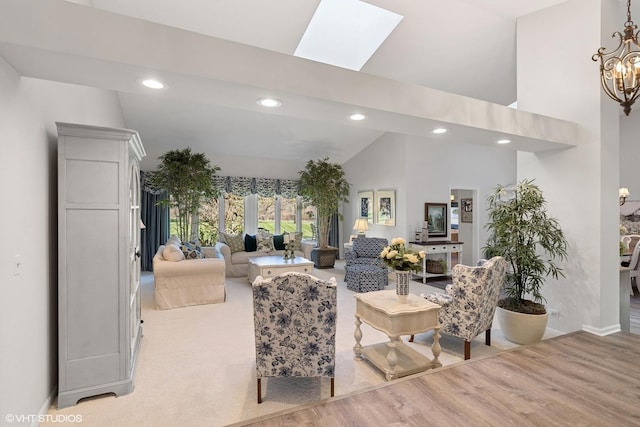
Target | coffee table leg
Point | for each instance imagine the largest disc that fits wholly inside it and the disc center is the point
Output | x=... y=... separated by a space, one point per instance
x=435 y=349
x=357 y=349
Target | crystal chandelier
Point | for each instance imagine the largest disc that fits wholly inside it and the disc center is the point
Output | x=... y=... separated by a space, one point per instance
x=620 y=69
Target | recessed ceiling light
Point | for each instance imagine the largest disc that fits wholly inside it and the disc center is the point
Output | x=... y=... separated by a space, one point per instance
x=269 y=102
x=153 y=84
x=439 y=130
x=504 y=141
x=357 y=117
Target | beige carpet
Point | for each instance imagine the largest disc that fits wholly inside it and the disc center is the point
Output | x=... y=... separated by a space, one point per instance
x=196 y=365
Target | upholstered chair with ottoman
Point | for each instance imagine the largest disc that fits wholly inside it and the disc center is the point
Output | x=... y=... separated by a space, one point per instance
x=364 y=270
x=469 y=303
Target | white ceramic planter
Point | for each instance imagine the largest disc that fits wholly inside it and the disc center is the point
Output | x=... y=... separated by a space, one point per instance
x=521 y=328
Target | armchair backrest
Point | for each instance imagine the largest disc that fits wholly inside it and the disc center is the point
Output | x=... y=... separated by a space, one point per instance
x=475 y=292
x=295 y=325
x=368 y=247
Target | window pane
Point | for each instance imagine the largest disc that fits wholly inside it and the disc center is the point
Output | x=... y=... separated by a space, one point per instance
x=267 y=213
x=287 y=215
x=208 y=230
x=233 y=214
x=309 y=222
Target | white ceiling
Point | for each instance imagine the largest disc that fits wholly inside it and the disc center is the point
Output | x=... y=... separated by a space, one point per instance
x=466 y=47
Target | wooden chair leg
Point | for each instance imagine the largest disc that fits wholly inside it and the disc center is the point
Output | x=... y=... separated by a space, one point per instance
x=259 y=390
x=332 y=386
x=411 y=339
x=467 y=350
x=487 y=337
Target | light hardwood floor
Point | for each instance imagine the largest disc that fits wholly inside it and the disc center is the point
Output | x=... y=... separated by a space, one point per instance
x=574 y=379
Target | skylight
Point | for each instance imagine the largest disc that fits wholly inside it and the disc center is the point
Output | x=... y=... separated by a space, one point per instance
x=345 y=33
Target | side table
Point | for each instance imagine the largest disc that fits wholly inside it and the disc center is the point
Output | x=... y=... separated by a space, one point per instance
x=383 y=311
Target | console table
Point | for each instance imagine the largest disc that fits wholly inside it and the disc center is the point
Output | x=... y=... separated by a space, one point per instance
x=446 y=247
x=383 y=311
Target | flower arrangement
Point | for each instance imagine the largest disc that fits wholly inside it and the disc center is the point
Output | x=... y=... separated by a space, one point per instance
x=400 y=257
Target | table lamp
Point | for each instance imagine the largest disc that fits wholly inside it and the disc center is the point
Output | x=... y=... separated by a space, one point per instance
x=361 y=225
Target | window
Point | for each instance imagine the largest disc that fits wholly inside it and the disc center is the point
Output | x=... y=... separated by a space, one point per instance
x=288 y=208
x=267 y=214
x=233 y=214
x=209 y=223
x=309 y=222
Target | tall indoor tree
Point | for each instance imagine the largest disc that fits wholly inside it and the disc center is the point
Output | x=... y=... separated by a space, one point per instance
x=189 y=179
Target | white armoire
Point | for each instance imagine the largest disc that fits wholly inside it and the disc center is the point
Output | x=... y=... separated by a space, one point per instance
x=99 y=325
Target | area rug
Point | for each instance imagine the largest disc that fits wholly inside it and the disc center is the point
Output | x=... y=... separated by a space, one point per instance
x=196 y=365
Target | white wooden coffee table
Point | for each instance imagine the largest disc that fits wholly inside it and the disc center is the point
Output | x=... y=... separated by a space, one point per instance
x=269 y=266
x=381 y=310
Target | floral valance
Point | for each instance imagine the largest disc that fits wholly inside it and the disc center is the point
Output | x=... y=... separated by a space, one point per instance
x=243 y=186
x=267 y=187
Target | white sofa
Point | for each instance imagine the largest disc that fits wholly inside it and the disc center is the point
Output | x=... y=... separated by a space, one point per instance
x=237 y=263
x=188 y=281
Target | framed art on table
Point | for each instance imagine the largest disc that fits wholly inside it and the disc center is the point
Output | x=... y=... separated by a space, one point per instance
x=385 y=207
x=365 y=205
x=436 y=216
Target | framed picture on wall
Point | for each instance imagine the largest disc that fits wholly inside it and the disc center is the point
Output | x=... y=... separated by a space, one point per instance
x=466 y=210
x=365 y=205
x=385 y=207
x=435 y=214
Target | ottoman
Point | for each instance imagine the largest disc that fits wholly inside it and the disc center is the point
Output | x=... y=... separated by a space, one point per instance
x=366 y=278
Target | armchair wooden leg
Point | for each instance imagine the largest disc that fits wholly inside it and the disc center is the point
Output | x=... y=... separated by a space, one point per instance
x=467 y=350
x=487 y=337
x=411 y=339
x=259 y=390
x=332 y=386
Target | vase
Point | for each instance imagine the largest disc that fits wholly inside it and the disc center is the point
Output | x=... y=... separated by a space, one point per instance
x=402 y=284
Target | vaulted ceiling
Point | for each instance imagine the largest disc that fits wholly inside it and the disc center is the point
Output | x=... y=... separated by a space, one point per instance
x=218 y=57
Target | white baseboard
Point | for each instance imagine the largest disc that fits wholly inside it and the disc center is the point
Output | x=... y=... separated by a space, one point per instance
x=601 y=332
x=46 y=405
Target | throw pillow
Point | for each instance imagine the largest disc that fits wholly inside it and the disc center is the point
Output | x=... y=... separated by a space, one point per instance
x=174 y=240
x=191 y=250
x=234 y=241
x=250 y=243
x=278 y=242
x=265 y=241
x=172 y=253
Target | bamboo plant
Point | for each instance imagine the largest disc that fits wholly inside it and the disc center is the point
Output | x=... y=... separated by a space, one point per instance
x=522 y=232
x=189 y=179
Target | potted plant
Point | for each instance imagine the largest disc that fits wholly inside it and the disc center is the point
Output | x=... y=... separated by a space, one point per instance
x=522 y=232
x=188 y=178
x=323 y=185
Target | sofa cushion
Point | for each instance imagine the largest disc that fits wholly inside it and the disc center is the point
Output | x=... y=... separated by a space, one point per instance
x=278 y=242
x=191 y=250
x=172 y=252
x=250 y=243
x=234 y=241
x=265 y=241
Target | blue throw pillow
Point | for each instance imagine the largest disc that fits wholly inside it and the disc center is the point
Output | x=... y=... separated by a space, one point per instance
x=250 y=243
x=278 y=242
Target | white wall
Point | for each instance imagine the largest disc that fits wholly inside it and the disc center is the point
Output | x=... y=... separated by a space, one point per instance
x=28 y=302
x=580 y=184
x=630 y=152
x=424 y=170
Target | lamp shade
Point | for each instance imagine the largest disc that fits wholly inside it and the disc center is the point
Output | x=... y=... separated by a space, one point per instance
x=623 y=192
x=361 y=225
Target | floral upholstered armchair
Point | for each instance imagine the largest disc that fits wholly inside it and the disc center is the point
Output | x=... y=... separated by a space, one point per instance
x=469 y=303
x=365 y=250
x=295 y=327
